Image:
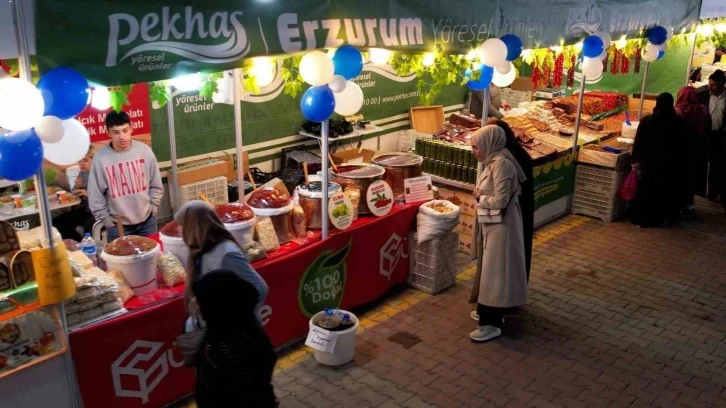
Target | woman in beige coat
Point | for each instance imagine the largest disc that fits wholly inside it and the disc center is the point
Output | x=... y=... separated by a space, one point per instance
x=501 y=277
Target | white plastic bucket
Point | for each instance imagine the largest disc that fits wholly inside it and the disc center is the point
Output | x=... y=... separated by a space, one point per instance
x=139 y=270
x=243 y=231
x=345 y=346
x=176 y=246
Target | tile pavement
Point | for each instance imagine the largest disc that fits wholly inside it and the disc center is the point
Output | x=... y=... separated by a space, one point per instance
x=617 y=317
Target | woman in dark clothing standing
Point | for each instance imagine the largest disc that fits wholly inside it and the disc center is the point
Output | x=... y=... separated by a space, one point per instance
x=526 y=199
x=698 y=123
x=655 y=156
x=236 y=359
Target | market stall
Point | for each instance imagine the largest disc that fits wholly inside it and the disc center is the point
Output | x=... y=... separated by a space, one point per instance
x=343 y=263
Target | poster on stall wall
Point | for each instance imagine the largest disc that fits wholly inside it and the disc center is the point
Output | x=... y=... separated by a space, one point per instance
x=29 y=338
x=138 y=109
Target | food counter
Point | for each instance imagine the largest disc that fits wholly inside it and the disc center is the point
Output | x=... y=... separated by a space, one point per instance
x=129 y=361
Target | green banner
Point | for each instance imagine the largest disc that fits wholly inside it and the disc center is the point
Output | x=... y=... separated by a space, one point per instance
x=554 y=180
x=271 y=119
x=114 y=43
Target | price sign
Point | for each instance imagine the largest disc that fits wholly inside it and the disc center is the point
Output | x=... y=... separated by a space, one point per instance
x=340 y=210
x=379 y=198
x=418 y=189
x=321 y=339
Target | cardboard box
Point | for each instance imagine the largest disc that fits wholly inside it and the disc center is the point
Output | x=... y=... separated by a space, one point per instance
x=466 y=224
x=446 y=194
x=197 y=172
x=466 y=202
x=353 y=156
x=465 y=243
x=231 y=160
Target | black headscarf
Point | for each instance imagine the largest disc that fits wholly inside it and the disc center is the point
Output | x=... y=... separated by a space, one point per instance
x=664 y=107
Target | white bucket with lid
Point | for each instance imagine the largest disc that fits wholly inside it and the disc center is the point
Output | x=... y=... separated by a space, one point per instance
x=139 y=270
x=243 y=231
x=176 y=246
x=345 y=345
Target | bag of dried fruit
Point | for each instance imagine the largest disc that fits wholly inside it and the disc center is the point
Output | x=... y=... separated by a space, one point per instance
x=435 y=219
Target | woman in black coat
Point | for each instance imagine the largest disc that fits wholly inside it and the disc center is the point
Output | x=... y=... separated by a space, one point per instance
x=526 y=199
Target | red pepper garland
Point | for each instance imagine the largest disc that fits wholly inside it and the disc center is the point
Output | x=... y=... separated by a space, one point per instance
x=559 y=65
x=546 y=73
x=615 y=67
x=535 y=75
x=638 y=58
x=571 y=73
x=625 y=65
x=605 y=62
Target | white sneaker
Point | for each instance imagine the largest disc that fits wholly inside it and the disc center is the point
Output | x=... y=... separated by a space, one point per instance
x=475 y=316
x=485 y=333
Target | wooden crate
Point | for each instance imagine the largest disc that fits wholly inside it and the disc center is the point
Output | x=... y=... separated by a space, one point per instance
x=427 y=119
x=604 y=159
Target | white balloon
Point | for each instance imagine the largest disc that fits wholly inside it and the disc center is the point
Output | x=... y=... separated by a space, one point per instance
x=503 y=68
x=49 y=129
x=21 y=104
x=604 y=55
x=504 y=80
x=337 y=84
x=606 y=38
x=493 y=52
x=72 y=147
x=349 y=101
x=592 y=68
x=650 y=52
x=316 y=68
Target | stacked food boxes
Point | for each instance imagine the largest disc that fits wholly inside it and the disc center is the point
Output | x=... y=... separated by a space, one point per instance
x=467 y=217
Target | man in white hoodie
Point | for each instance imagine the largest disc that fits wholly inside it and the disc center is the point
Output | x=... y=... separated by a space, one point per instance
x=125 y=181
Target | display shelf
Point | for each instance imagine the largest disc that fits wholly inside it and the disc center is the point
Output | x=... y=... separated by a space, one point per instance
x=448 y=182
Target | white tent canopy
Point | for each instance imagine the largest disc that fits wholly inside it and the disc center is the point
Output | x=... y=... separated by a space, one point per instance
x=713 y=8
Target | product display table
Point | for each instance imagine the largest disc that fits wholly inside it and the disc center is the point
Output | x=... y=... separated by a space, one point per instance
x=130 y=361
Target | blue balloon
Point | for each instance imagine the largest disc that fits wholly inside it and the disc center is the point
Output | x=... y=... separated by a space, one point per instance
x=348 y=62
x=657 y=35
x=21 y=155
x=317 y=103
x=487 y=73
x=593 y=46
x=65 y=92
x=514 y=46
x=661 y=53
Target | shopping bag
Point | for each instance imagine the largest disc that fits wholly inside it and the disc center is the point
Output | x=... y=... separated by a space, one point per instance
x=629 y=187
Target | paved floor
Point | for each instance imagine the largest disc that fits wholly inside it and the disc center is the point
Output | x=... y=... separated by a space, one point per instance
x=617 y=317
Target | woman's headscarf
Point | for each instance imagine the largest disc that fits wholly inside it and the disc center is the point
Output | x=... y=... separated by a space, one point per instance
x=664 y=106
x=491 y=140
x=688 y=108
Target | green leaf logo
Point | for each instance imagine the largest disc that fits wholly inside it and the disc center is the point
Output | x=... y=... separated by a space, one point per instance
x=323 y=283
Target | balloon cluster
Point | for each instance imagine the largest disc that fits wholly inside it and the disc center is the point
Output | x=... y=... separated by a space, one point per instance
x=594 y=51
x=657 y=43
x=41 y=124
x=496 y=55
x=332 y=89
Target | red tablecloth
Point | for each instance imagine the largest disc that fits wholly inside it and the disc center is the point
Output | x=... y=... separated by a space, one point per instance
x=129 y=361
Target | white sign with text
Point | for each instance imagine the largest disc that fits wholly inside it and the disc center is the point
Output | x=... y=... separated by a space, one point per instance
x=418 y=189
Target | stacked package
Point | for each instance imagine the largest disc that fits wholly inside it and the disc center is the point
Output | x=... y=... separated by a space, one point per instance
x=97 y=292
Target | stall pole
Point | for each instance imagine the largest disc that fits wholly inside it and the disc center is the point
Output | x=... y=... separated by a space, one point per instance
x=479 y=169
x=690 y=58
x=642 y=90
x=175 y=199
x=46 y=220
x=238 y=92
x=324 y=126
x=580 y=99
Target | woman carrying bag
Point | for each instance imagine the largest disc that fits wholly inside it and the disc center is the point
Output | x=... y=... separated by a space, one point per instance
x=501 y=277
